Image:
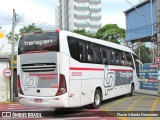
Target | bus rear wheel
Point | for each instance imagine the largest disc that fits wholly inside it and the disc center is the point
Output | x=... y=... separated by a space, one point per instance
x=97 y=100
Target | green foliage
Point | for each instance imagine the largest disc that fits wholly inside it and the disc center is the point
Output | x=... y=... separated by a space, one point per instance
x=83 y=32
x=25 y=29
x=28 y=29
x=9 y=36
x=111 y=32
x=145 y=54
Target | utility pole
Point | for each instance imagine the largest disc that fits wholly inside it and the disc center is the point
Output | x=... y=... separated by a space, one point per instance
x=158 y=42
x=13 y=51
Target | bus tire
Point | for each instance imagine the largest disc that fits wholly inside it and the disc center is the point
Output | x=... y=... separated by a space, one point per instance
x=97 y=100
x=132 y=89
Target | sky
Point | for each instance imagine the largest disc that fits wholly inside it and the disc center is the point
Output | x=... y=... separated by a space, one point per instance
x=42 y=12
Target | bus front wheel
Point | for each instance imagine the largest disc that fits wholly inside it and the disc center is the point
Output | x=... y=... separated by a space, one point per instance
x=97 y=100
x=132 y=89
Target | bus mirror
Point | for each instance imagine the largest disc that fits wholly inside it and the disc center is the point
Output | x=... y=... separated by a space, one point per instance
x=139 y=62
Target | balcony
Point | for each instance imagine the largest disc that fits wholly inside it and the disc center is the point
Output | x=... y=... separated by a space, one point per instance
x=95 y=25
x=80 y=0
x=81 y=24
x=81 y=7
x=94 y=1
x=95 y=17
x=79 y=15
x=94 y=9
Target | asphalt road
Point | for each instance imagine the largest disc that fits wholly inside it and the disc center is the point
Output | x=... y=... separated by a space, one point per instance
x=117 y=108
x=139 y=106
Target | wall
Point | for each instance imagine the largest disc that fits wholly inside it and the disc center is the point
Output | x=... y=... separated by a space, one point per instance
x=4 y=82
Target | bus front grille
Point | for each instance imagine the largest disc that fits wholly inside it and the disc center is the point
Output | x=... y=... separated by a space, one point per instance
x=38 y=67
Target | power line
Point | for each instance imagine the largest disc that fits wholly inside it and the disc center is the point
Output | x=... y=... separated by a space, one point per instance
x=34 y=20
x=140 y=12
x=40 y=24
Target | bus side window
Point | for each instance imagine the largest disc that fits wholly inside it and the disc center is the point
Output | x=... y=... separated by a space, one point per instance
x=98 y=54
x=81 y=55
x=104 y=56
x=123 y=59
x=90 y=54
x=113 y=59
x=73 y=45
x=120 y=57
x=117 y=57
x=94 y=52
x=109 y=59
x=130 y=60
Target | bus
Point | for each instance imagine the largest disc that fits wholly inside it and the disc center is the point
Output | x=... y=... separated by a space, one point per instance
x=62 y=69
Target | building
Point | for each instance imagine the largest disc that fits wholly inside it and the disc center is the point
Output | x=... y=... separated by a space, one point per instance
x=5 y=82
x=2 y=33
x=79 y=14
x=4 y=63
x=57 y=18
x=139 y=21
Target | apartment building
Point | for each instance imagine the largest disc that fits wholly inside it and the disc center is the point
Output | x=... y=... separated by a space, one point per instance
x=79 y=14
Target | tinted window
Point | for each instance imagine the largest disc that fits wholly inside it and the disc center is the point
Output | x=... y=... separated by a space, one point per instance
x=87 y=52
x=129 y=60
x=74 y=48
x=41 y=41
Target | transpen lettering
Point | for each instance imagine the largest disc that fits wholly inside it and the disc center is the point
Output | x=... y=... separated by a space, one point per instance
x=127 y=75
x=40 y=43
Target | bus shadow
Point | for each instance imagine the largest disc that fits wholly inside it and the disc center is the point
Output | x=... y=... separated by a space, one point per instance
x=113 y=99
x=68 y=112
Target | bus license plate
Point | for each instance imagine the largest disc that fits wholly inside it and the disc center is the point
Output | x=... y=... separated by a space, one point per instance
x=38 y=100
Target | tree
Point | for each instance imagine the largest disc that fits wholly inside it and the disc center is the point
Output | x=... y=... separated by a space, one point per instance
x=145 y=54
x=9 y=36
x=111 y=32
x=29 y=28
x=25 y=29
x=83 y=32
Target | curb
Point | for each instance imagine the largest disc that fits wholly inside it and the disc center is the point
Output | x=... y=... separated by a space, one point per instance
x=9 y=102
x=146 y=93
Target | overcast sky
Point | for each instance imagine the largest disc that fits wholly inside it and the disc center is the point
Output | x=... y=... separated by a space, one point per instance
x=42 y=12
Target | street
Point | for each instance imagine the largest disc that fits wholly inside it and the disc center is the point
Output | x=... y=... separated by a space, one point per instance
x=139 y=103
x=51 y=113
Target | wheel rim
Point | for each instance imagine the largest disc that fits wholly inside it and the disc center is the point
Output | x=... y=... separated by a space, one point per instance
x=97 y=99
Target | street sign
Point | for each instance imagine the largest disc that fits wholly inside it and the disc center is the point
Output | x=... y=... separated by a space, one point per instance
x=1 y=35
x=7 y=72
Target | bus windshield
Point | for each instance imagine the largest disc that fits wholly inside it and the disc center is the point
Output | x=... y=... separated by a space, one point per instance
x=47 y=41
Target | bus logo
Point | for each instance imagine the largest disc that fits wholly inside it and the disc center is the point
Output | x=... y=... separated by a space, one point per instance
x=109 y=80
x=30 y=82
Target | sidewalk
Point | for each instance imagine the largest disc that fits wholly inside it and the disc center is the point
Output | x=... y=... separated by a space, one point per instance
x=147 y=92
x=9 y=103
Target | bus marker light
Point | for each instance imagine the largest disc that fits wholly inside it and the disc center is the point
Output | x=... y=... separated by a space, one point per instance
x=57 y=31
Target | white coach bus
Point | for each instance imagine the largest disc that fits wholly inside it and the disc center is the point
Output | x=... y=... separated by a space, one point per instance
x=63 y=69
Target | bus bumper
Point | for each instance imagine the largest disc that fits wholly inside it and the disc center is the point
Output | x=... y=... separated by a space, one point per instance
x=54 y=102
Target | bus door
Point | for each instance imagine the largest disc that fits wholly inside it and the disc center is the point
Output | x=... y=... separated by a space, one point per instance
x=136 y=72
